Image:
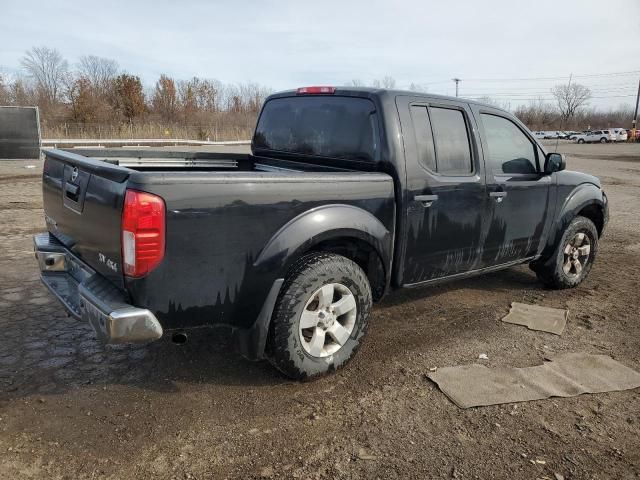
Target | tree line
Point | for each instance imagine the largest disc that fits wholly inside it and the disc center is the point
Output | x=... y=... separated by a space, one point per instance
x=95 y=98
x=96 y=94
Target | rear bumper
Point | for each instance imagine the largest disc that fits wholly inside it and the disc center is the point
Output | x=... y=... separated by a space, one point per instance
x=87 y=295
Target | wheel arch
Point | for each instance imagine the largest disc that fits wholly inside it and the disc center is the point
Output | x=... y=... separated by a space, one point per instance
x=343 y=229
x=585 y=200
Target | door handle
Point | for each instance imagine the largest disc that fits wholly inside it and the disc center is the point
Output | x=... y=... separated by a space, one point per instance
x=72 y=191
x=499 y=196
x=426 y=200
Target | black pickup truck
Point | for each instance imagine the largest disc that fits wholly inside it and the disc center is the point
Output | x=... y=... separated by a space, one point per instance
x=347 y=193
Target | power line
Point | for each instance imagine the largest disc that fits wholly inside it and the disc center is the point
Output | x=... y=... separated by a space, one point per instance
x=595 y=75
x=543 y=93
x=527 y=79
x=476 y=97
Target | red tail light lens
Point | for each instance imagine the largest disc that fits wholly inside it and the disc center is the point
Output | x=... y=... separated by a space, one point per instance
x=143 y=233
x=315 y=90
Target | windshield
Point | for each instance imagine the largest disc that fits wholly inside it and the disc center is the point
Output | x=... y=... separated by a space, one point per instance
x=325 y=126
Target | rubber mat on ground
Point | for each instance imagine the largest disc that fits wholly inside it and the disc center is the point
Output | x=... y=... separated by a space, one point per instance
x=566 y=375
x=535 y=317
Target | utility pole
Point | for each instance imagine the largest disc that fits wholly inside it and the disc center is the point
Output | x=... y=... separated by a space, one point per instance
x=457 y=80
x=635 y=115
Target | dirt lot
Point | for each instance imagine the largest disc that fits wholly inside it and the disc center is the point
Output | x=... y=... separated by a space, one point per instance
x=71 y=408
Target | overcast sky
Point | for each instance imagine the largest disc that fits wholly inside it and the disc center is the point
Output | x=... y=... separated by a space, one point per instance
x=285 y=44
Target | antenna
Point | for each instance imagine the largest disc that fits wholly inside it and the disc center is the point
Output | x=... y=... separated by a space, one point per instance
x=457 y=80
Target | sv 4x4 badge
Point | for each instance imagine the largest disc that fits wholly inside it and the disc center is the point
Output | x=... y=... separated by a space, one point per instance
x=108 y=262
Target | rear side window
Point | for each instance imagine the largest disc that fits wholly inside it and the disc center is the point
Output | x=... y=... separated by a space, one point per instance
x=509 y=150
x=453 y=152
x=424 y=137
x=442 y=140
x=325 y=126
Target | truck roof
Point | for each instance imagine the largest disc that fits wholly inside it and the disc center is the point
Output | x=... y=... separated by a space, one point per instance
x=384 y=92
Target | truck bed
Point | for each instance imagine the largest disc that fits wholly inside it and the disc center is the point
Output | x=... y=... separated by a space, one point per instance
x=148 y=159
x=224 y=214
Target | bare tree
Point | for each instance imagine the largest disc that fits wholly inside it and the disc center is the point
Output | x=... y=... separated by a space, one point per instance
x=99 y=71
x=48 y=69
x=83 y=102
x=570 y=98
x=416 y=87
x=165 y=100
x=128 y=96
x=21 y=93
x=356 y=82
x=4 y=91
x=538 y=115
x=386 y=82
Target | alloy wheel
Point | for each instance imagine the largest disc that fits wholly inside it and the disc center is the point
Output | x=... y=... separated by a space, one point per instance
x=328 y=319
x=576 y=255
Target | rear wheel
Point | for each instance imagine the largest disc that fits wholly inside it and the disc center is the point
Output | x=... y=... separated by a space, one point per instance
x=320 y=317
x=573 y=257
x=603 y=140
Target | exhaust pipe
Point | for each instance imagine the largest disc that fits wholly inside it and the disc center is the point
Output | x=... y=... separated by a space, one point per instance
x=179 y=338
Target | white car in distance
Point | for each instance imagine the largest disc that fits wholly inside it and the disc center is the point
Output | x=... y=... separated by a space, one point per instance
x=599 y=136
x=620 y=134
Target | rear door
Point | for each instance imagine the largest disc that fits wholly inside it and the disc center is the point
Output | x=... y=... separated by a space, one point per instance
x=445 y=195
x=518 y=191
x=83 y=201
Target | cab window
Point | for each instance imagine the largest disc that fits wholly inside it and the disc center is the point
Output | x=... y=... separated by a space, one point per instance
x=509 y=150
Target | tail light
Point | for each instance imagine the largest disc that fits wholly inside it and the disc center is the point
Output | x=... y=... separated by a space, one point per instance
x=315 y=90
x=143 y=232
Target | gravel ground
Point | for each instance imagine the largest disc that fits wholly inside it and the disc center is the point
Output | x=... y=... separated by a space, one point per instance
x=72 y=408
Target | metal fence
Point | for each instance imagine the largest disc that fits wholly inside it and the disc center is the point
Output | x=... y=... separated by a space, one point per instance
x=19 y=132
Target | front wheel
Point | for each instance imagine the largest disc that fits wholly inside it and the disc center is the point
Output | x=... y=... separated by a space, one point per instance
x=573 y=258
x=580 y=140
x=603 y=140
x=320 y=317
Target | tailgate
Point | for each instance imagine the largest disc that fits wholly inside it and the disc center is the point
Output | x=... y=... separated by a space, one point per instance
x=82 y=199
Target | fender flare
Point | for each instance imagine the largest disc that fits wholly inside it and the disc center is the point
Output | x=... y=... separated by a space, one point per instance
x=582 y=196
x=298 y=236
x=319 y=224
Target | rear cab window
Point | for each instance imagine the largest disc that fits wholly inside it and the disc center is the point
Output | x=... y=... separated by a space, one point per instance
x=319 y=126
x=442 y=140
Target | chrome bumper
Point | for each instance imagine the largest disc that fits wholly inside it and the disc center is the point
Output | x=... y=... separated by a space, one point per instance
x=88 y=296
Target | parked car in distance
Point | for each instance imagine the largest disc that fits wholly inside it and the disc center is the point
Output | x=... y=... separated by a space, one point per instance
x=556 y=134
x=596 y=136
x=347 y=194
x=540 y=135
x=620 y=134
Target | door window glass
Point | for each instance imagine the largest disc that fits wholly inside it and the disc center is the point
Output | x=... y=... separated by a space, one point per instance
x=509 y=150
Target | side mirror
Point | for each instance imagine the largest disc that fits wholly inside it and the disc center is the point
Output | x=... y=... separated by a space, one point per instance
x=554 y=162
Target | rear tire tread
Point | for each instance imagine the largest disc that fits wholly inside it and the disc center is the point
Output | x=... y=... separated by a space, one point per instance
x=309 y=270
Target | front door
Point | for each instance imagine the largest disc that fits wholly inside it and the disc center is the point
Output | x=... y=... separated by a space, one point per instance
x=518 y=190
x=446 y=198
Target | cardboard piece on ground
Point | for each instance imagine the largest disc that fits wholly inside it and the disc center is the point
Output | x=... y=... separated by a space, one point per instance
x=535 y=317
x=566 y=375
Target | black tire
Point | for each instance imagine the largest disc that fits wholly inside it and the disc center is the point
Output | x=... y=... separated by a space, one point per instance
x=603 y=140
x=552 y=273
x=580 y=140
x=285 y=349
